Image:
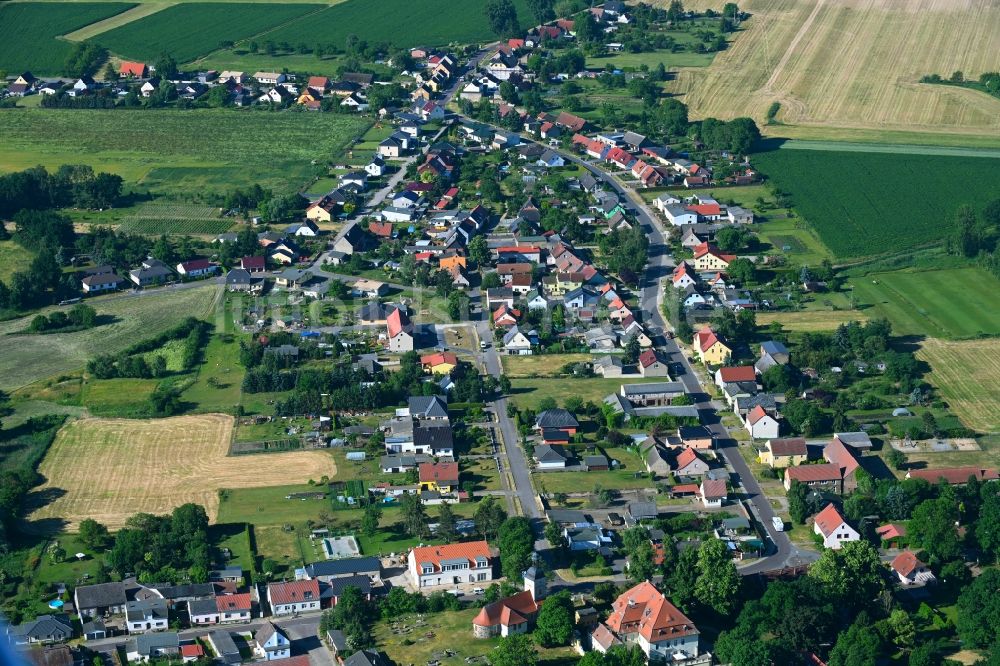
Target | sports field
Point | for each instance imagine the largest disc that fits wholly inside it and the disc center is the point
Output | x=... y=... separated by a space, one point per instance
x=29 y=32
x=109 y=469
x=134 y=317
x=402 y=23
x=948 y=303
x=871 y=203
x=189 y=30
x=169 y=151
x=966 y=375
x=854 y=64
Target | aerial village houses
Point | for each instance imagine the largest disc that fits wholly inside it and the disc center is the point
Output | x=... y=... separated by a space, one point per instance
x=644 y=617
x=833 y=528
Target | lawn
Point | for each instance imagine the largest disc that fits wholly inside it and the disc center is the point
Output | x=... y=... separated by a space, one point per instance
x=179 y=152
x=218 y=384
x=526 y=393
x=117 y=397
x=189 y=30
x=946 y=303
x=577 y=482
x=403 y=23
x=29 y=32
x=13 y=258
x=864 y=204
x=794 y=238
x=134 y=318
x=810 y=321
x=424 y=638
x=540 y=365
x=966 y=375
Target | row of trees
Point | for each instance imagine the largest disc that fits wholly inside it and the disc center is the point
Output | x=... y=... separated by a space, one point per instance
x=73 y=185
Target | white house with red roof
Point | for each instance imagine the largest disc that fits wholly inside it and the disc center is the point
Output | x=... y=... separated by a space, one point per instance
x=708 y=257
x=513 y=615
x=735 y=374
x=450 y=564
x=643 y=616
x=833 y=527
x=293 y=597
x=652 y=364
x=505 y=316
x=399 y=330
x=911 y=571
x=761 y=425
x=683 y=276
x=196 y=268
x=713 y=492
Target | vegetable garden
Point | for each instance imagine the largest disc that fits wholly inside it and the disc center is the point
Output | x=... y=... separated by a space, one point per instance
x=175 y=218
x=866 y=204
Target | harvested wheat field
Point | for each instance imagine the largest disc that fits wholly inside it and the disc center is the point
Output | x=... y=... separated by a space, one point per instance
x=854 y=64
x=109 y=469
x=966 y=374
x=811 y=320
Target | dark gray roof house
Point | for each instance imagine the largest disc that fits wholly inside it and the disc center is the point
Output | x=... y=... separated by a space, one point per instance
x=337 y=586
x=428 y=407
x=550 y=453
x=354 y=566
x=337 y=641
x=556 y=418
x=151 y=645
x=94 y=630
x=855 y=440
x=366 y=658
x=566 y=516
x=99 y=599
x=642 y=510
x=43 y=629
x=434 y=434
x=225 y=647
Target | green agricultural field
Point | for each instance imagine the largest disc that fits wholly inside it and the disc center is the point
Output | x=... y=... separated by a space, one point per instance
x=403 y=23
x=29 y=32
x=190 y=30
x=155 y=218
x=669 y=59
x=167 y=151
x=120 y=398
x=218 y=384
x=948 y=303
x=864 y=204
x=135 y=317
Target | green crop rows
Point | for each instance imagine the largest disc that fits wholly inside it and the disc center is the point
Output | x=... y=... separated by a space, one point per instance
x=28 y=32
x=175 y=218
x=188 y=31
x=865 y=204
x=403 y=23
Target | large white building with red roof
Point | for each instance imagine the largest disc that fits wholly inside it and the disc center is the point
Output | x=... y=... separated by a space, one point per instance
x=400 y=331
x=451 y=564
x=643 y=616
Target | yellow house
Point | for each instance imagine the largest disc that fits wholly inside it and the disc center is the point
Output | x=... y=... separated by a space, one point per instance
x=710 y=347
x=566 y=282
x=440 y=477
x=441 y=363
x=323 y=210
x=708 y=258
x=307 y=96
x=786 y=452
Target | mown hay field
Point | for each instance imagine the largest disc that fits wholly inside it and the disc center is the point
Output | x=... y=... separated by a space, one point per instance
x=109 y=469
x=29 y=32
x=810 y=321
x=190 y=30
x=27 y=359
x=402 y=23
x=946 y=303
x=966 y=374
x=854 y=64
x=871 y=203
x=179 y=152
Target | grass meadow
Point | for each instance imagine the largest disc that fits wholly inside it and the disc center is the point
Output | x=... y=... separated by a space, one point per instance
x=187 y=31
x=947 y=303
x=155 y=218
x=965 y=372
x=179 y=152
x=526 y=392
x=867 y=204
x=13 y=258
x=29 y=32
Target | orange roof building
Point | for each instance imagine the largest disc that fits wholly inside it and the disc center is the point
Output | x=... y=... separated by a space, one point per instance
x=644 y=616
x=440 y=477
x=133 y=69
x=440 y=362
x=451 y=564
x=954 y=476
x=833 y=527
x=512 y=615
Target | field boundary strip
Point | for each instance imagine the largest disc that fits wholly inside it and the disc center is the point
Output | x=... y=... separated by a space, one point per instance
x=140 y=11
x=897 y=148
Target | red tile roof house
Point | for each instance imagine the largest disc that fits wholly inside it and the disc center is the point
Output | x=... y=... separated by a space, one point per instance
x=253 y=264
x=451 y=564
x=713 y=492
x=645 y=617
x=761 y=425
x=133 y=69
x=192 y=652
x=234 y=607
x=381 y=229
x=825 y=476
x=294 y=597
x=505 y=316
x=833 y=527
x=196 y=268
x=400 y=331
x=732 y=375
x=513 y=615
x=891 y=535
x=442 y=476
x=911 y=571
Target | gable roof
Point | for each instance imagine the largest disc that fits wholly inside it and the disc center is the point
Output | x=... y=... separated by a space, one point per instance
x=906 y=563
x=953 y=475
x=352 y=565
x=743 y=373
x=441 y=471
x=714 y=489
x=787 y=446
x=102 y=595
x=513 y=610
x=756 y=414
x=823 y=472
x=293 y=592
x=398 y=322
x=829 y=519
x=706 y=338
x=838 y=454
x=556 y=418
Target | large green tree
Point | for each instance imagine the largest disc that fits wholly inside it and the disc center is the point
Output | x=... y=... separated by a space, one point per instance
x=854 y=573
x=502 y=18
x=554 y=626
x=718 y=583
x=516 y=650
